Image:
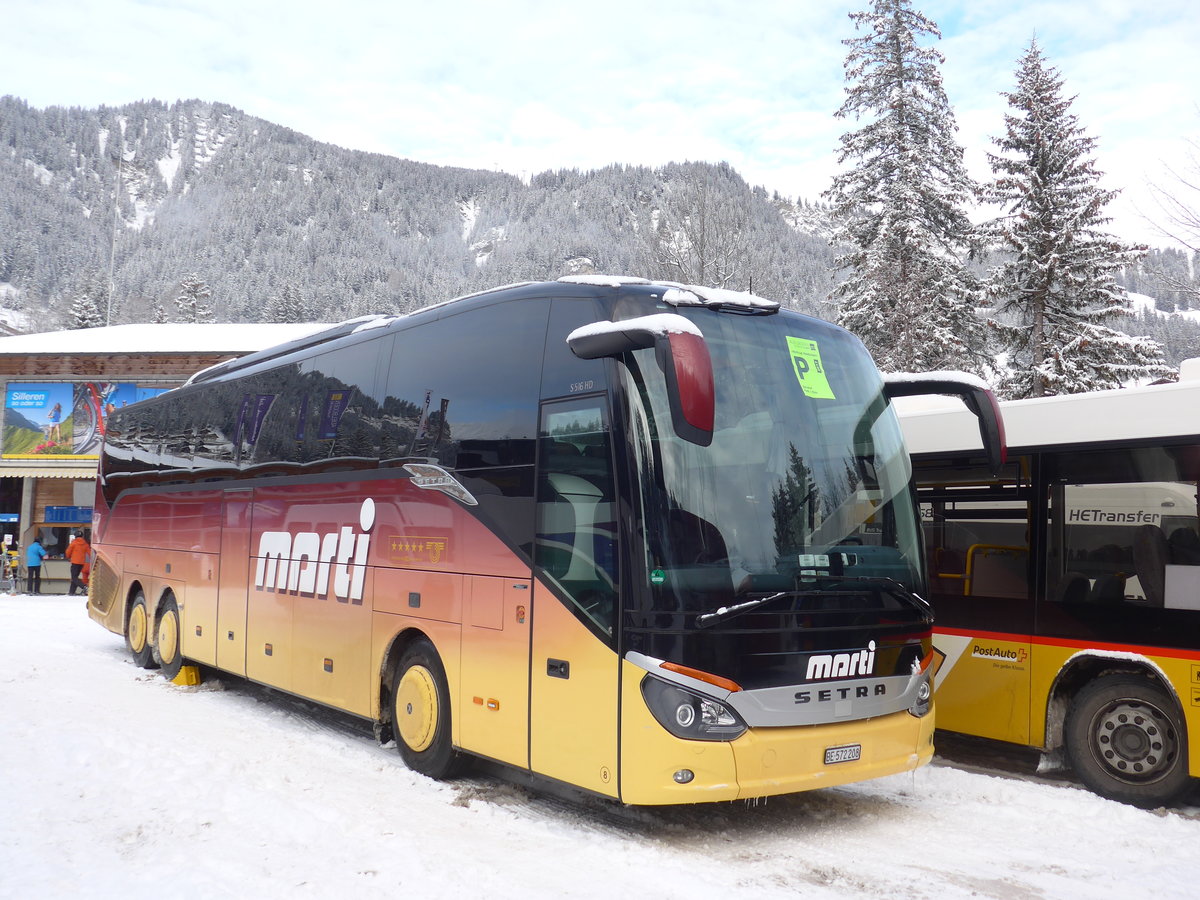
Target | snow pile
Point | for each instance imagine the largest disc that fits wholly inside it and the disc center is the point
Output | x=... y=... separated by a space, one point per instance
x=114 y=782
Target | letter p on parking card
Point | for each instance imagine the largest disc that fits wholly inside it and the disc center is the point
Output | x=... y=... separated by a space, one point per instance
x=806 y=361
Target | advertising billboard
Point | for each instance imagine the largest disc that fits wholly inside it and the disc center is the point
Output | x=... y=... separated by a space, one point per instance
x=62 y=419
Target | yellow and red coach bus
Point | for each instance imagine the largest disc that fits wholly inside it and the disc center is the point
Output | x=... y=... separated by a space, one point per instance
x=651 y=541
x=1067 y=592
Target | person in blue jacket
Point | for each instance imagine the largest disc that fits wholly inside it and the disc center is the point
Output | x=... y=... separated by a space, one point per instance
x=34 y=554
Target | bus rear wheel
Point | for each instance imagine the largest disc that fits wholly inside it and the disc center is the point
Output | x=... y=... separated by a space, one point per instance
x=168 y=652
x=421 y=713
x=137 y=633
x=1126 y=742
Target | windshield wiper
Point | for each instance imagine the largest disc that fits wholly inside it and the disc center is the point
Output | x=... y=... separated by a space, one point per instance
x=889 y=586
x=725 y=612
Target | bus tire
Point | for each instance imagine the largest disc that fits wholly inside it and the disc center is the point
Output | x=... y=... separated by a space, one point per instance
x=137 y=633
x=168 y=651
x=421 y=713
x=1126 y=741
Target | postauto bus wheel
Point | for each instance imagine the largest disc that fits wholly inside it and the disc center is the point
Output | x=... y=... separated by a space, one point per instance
x=167 y=650
x=137 y=633
x=1126 y=742
x=421 y=713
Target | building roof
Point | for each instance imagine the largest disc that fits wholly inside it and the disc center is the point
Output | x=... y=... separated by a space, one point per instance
x=156 y=339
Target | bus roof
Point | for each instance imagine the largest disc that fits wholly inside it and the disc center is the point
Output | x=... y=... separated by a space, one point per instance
x=1139 y=413
x=673 y=294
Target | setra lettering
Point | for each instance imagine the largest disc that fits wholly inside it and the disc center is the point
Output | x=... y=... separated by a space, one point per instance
x=855 y=691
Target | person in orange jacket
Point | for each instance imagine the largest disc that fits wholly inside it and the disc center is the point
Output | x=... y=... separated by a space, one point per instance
x=79 y=552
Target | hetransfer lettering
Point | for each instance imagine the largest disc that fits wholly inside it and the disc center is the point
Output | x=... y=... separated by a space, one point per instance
x=1107 y=517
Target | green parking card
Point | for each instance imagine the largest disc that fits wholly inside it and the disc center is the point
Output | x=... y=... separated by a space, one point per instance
x=806 y=361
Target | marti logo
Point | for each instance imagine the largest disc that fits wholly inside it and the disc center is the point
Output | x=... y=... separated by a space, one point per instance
x=302 y=564
x=827 y=666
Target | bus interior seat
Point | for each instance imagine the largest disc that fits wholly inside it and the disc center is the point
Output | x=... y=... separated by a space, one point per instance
x=947 y=561
x=1150 y=554
x=698 y=540
x=1184 y=547
x=1074 y=588
x=946 y=570
x=564 y=448
x=1000 y=572
x=1108 y=590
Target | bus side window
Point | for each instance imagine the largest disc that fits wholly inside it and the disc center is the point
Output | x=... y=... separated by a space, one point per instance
x=1125 y=529
x=463 y=390
x=976 y=532
x=576 y=509
x=1113 y=536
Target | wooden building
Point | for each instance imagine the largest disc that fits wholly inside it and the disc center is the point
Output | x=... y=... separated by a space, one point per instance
x=58 y=388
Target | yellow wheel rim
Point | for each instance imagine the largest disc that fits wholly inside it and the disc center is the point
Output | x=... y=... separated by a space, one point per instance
x=137 y=628
x=168 y=636
x=417 y=708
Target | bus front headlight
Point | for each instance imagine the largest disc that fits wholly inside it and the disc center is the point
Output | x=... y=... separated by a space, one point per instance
x=689 y=715
x=922 y=704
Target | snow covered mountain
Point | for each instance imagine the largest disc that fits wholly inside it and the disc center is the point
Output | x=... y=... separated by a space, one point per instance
x=251 y=207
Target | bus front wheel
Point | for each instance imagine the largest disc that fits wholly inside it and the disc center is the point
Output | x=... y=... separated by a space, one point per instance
x=421 y=713
x=137 y=633
x=167 y=650
x=1126 y=742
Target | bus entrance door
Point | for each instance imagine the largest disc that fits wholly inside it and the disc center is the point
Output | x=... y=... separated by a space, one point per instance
x=574 y=676
x=231 y=586
x=574 y=688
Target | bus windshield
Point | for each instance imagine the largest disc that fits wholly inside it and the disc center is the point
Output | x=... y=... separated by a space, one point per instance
x=805 y=484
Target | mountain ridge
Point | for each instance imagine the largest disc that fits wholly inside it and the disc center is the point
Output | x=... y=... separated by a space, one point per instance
x=251 y=207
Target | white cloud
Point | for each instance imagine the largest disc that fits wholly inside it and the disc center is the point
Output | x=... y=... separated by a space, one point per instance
x=530 y=85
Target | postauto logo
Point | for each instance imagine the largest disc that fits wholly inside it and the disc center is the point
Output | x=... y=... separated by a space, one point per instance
x=1017 y=655
x=303 y=563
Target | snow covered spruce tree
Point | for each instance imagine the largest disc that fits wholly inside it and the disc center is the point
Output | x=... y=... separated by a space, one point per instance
x=286 y=306
x=1058 y=287
x=194 y=300
x=89 y=305
x=901 y=204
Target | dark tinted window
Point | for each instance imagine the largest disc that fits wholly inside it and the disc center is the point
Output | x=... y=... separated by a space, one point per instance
x=337 y=413
x=463 y=390
x=565 y=373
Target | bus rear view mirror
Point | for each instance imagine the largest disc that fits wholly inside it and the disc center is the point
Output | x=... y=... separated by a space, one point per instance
x=682 y=354
x=976 y=395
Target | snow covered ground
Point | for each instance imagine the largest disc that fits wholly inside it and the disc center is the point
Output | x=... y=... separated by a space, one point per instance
x=1140 y=303
x=114 y=782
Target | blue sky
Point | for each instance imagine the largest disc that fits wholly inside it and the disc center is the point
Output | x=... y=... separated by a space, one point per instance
x=530 y=85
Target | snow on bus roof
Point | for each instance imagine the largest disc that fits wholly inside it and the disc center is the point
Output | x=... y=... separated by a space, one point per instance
x=681 y=294
x=150 y=338
x=604 y=280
